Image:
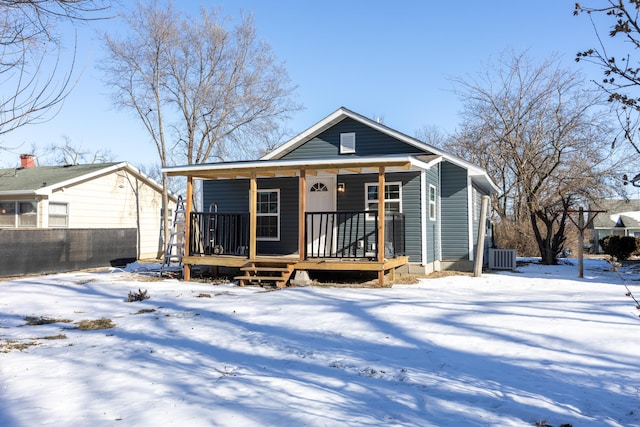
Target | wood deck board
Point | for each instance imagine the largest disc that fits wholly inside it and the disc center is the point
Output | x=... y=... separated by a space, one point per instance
x=322 y=264
x=259 y=278
x=270 y=269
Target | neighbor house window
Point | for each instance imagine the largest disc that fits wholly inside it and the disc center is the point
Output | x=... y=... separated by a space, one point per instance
x=7 y=214
x=347 y=143
x=58 y=214
x=27 y=214
x=432 y=202
x=392 y=197
x=18 y=214
x=268 y=215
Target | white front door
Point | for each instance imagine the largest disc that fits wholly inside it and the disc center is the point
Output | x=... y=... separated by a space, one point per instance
x=321 y=197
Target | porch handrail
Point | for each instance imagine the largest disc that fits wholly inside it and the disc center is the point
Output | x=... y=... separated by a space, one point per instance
x=352 y=234
x=215 y=233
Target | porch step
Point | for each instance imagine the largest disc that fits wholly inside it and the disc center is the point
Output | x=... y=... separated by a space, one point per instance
x=271 y=272
x=270 y=269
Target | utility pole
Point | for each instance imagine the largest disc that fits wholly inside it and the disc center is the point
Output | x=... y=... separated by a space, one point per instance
x=581 y=227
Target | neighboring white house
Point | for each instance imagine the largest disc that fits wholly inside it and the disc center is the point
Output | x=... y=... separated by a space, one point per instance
x=620 y=217
x=107 y=195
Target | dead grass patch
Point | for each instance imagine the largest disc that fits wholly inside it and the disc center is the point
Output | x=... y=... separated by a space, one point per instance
x=94 y=325
x=43 y=320
x=145 y=310
x=11 y=345
x=439 y=274
x=55 y=337
x=145 y=278
x=20 y=345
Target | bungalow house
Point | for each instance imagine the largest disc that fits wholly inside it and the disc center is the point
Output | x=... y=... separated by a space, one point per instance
x=621 y=218
x=47 y=200
x=314 y=204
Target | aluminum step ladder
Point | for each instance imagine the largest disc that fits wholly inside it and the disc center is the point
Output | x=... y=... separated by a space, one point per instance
x=175 y=247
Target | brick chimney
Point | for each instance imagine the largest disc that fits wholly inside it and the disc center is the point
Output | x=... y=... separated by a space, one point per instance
x=27 y=160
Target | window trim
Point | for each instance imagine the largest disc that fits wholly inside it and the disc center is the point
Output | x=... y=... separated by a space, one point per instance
x=433 y=213
x=367 y=185
x=277 y=215
x=66 y=215
x=348 y=143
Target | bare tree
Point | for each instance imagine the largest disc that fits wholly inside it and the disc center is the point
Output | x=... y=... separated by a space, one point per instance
x=69 y=153
x=621 y=81
x=28 y=41
x=432 y=135
x=541 y=137
x=200 y=88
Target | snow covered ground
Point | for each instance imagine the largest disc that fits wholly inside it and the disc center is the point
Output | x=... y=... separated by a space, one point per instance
x=505 y=349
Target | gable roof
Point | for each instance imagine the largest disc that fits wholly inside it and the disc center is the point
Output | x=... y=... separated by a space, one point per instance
x=618 y=213
x=342 y=113
x=42 y=180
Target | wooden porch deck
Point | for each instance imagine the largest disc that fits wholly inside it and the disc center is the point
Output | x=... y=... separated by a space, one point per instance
x=292 y=263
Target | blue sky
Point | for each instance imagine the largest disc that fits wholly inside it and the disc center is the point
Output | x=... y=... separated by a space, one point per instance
x=393 y=60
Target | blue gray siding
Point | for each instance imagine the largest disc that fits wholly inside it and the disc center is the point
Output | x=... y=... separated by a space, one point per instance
x=455 y=216
x=232 y=196
x=353 y=199
x=369 y=142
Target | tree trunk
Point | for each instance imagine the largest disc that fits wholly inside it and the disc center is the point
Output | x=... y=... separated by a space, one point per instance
x=547 y=253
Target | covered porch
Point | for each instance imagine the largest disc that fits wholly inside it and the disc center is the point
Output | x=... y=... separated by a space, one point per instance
x=329 y=240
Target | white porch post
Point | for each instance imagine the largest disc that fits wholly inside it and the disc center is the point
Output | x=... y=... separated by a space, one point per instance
x=380 y=248
x=253 y=218
x=187 y=226
x=302 y=187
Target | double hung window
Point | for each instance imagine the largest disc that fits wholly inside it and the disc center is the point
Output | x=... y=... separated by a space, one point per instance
x=268 y=215
x=392 y=197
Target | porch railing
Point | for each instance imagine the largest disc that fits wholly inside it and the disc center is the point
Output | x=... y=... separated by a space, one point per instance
x=213 y=233
x=352 y=234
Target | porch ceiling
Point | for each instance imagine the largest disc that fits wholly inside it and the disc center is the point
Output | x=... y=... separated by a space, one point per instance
x=277 y=168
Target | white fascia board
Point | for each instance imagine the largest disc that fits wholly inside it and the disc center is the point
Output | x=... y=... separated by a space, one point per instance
x=298 y=163
x=19 y=193
x=319 y=127
x=425 y=165
x=146 y=178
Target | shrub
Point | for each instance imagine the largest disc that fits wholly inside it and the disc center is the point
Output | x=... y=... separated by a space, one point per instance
x=619 y=247
x=138 y=296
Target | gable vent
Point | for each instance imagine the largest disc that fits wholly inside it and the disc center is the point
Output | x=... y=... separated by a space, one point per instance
x=347 y=143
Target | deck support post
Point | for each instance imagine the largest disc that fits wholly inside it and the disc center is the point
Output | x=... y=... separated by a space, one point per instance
x=186 y=273
x=302 y=186
x=253 y=218
x=380 y=246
